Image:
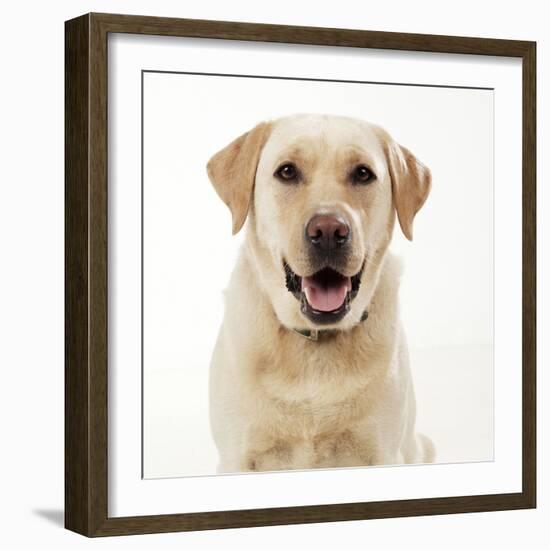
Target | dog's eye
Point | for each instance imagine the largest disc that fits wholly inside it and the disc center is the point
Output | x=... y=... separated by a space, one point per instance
x=287 y=172
x=361 y=174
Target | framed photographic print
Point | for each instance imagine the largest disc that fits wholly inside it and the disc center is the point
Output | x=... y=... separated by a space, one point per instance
x=253 y=336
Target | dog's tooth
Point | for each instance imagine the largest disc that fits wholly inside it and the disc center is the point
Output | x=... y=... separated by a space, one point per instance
x=309 y=291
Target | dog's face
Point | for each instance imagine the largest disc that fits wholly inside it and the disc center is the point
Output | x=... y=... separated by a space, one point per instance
x=321 y=193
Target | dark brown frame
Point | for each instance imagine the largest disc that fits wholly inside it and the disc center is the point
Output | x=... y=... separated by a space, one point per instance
x=86 y=283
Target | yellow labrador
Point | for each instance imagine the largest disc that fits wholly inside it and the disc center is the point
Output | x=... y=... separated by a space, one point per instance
x=311 y=368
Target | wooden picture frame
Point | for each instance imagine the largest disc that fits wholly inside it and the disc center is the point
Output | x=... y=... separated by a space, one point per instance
x=86 y=282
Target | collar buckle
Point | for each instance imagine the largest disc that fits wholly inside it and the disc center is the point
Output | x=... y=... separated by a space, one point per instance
x=309 y=334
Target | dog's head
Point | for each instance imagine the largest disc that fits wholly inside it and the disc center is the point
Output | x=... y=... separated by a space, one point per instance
x=321 y=193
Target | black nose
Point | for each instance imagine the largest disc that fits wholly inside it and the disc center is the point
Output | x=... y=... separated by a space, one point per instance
x=327 y=232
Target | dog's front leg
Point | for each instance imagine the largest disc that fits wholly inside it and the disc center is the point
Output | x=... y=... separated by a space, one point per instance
x=263 y=452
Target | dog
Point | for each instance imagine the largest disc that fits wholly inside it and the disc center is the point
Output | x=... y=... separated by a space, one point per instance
x=310 y=368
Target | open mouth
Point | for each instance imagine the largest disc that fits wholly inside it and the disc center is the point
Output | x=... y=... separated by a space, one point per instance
x=324 y=296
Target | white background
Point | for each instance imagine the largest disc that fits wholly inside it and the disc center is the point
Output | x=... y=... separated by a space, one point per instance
x=31 y=297
x=446 y=293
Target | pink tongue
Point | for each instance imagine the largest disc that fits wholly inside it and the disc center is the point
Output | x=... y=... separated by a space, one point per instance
x=325 y=298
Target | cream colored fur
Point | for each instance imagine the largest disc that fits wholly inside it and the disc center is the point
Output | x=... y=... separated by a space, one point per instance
x=281 y=401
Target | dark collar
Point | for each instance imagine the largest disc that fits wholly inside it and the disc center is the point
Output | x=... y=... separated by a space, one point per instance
x=317 y=334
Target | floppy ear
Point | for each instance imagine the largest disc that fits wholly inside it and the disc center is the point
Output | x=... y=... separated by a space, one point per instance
x=411 y=184
x=232 y=171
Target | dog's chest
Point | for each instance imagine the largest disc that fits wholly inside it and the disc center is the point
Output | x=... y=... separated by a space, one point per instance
x=312 y=405
x=309 y=430
x=309 y=394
